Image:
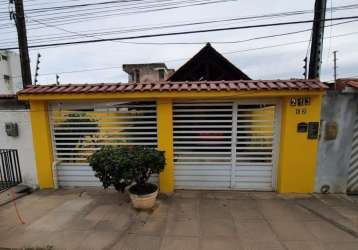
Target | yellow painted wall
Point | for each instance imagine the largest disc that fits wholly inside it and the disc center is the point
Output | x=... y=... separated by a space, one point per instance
x=165 y=142
x=42 y=143
x=297 y=159
x=297 y=162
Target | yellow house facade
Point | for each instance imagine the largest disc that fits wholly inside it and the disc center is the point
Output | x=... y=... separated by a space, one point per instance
x=246 y=135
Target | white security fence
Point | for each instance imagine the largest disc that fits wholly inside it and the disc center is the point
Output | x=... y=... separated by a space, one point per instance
x=217 y=144
x=79 y=129
x=223 y=145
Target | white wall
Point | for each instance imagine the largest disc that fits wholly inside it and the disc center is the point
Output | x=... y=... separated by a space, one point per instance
x=23 y=143
x=12 y=68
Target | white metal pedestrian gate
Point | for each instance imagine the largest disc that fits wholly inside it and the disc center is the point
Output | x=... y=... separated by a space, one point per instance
x=352 y=187
x=78 y=129
x=226 y=145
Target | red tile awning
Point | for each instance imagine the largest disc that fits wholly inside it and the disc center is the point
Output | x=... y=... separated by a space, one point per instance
x=349 y=82
x=198 y=86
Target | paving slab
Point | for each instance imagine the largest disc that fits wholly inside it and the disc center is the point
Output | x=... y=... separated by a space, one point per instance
x=341 y=246
x=22 y=238
x=184 y=209
x=99 y=240
x=304 y=245
x=245 y=210
x=255 y=230
x=54 y=221
x=217 y=227
x=291 y=231
x=188 y=227
x=327 y=232
x=64 y=240
x=153 y=227
x=256 y=245
x=104 y=219
x=218 y=209
x=180 y=243
x=138 y=242
x=275 y=209
x=218 y=243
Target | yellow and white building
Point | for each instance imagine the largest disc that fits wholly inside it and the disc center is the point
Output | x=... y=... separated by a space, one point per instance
x=245 y=134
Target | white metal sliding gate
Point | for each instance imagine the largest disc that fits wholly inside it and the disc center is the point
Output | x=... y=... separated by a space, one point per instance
x=78 y=129
x=223 y=145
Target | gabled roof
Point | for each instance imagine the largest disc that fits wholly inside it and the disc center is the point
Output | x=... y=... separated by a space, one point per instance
x=208 y=64
x=195 y=86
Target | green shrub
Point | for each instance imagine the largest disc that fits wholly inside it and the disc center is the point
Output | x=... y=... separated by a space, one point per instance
x=122 y=166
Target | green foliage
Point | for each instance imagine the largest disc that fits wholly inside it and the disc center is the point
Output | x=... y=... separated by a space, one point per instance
x=81 y=124
x=121 y=166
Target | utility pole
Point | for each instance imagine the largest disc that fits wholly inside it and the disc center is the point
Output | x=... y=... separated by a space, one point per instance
x=317 y=39
x=335 y=65
x=19 y=17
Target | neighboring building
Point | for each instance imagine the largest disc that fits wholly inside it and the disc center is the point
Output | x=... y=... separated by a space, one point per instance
x=208 y=65
x=10 y=73
x=16 y=113
x=147 y=72
x=337 y=164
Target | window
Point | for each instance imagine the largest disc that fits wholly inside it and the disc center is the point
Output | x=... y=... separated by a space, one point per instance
x=4 y=57
x=137 y=76
x=161 y=74
x=6 y=77
x=131 y=77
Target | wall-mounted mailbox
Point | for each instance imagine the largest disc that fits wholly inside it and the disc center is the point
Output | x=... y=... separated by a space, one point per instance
x=331 y=130
x=302 y=127
x=313 y=130
x=11 y=129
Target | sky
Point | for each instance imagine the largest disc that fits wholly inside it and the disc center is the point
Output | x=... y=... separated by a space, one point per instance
x=102 y=62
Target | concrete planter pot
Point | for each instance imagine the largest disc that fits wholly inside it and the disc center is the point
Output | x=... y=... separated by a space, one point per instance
x=143 y=201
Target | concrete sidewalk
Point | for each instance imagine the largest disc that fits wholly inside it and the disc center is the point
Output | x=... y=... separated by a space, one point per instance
x=104 y=219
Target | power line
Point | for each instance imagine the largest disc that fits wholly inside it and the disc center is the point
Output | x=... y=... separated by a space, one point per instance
x=280 y=14
x=131 y=29
x=189 y=43
x=81 y=18
x=137 y=3
x=186 y=58
x=181 y=33
x=64 y=20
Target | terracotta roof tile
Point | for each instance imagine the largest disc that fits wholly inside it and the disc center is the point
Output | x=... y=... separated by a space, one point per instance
x=349 y=82
x=121 y=87
x=240 y=85
x=213 y=86
x=175 y=86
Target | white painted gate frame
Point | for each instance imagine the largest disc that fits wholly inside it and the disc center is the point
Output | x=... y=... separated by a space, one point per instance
x=235 y=103
x=277 y=135
x=82 y=105
x=277 y=132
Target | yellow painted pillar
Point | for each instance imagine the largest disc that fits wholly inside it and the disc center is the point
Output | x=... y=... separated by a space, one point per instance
x=42 y=143
x=165 y=143
x=298 y=154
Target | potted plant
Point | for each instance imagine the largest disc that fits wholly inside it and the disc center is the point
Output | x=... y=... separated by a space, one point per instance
x=129 y=166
